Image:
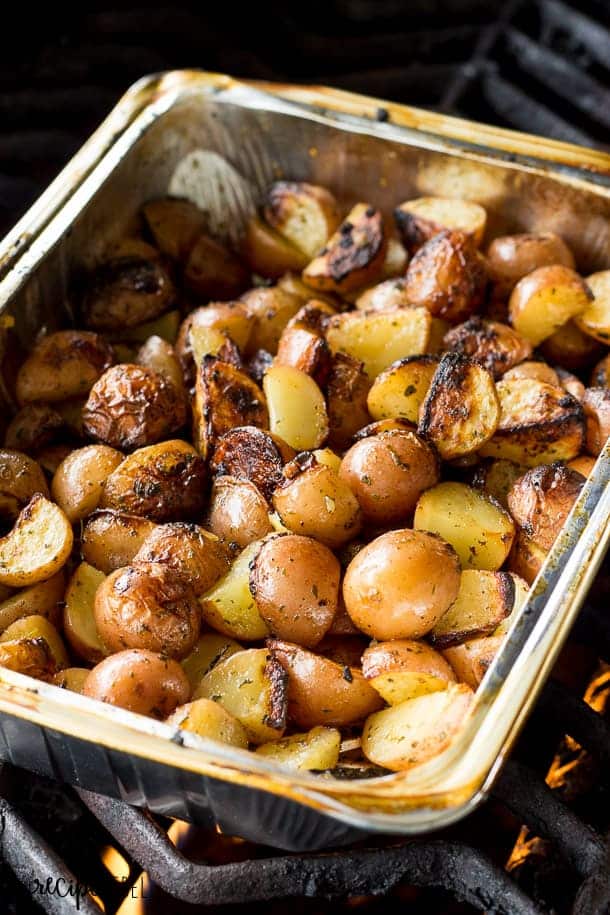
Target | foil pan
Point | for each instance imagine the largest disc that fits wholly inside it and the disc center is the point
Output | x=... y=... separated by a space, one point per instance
x=220 y=142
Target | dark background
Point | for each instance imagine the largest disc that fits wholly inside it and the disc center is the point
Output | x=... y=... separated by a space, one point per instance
x=542 y=66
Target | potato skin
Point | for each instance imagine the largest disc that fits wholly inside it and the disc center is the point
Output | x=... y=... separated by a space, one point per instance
x=495 y=346
x=400 y=584
x=405 y=654
x=132 y=406
x=31 y=657
x=147 y=605
x=33 y=427
x=174 y=223
x=238 y=513
x=110 y=539
x=540 y=501
x=230 y=318
x=388 y=472
x=346 y=394
x=353 y=256
x=126 y=292
x=511 y=257
x=62 y=365
x=249 y=453
x=139 y=681
x=189 y=551
x=78 y=481
x=546 y=299
x=164 y=482
x=596 y=404
x=447 y=276
x=20 y=478
x=271 y=309
x=295 y=583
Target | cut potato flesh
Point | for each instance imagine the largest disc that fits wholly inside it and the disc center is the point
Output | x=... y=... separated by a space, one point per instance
x=229 y=606
x=251 y=686
x=318 y=749
x=209 y=719
x=403 y=669
x=72 y=678
x=484 y=600
x=38 y=545
x=399 y=391
x=31 y=628
x=304 y=214
x=297 y=410
x=420 y=219
x=79 y=621
x=409 y=734
x=546 y=299
x=209 y=651
x=595 y=319
x=478 y=528
x=31 y=657
x=43 y=599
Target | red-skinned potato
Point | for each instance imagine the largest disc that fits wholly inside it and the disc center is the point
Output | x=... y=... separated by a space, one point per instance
x=421 y=219
x=237 y=513
x=403 y=669
x=126 y=292
x=541 y=500
x=353 y=255
x=188 y=550
x=139 y=681
x=79 y=480
x=62 y=365
x=249 y=453
x=511 y=257
x=596 y=403
x=495 y=346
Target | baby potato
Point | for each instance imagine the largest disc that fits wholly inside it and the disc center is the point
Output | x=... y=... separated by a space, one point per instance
x=347 y=388
x=174 y=224
x=321 y=692
x=379 y=338
x=526 y=557
x=304 y=214
x=484 y=600
x=390 y=293
x=78 y=618
x=251 y=685
x=387 y=473
x=157 y=354
x=400 y=585
x=317 y=750
x=303 y=345
x=594 y=320
x=79 y=480
x=164 y=482
x=541 y=500
x=539 y=371
x=248 y=453
x=399 y=391
x=72 y=678
x=495 y=346
x=20 y=478
x=271 y=308
x=315 y=502
x=31 y=657
x=210 y=649
x=596 y=405
x=268 y=253
x=461 y=410
x=447 y=276
x=38 y=628
x=297 y=411
x=210 y=720
x=225 y=397
x=511 y=257
x=471 y=659
x=421 y=219
x=476 y=526
x=496 y=477
x=32 y=427
x=139 y=681
x=229 y=606
x=384 y=425
x=126 y=292
x=238 y=513
x=229 y=318
x=37 y=546
x=62 y=365
x=354 y=254
x=111 y=539
x=403 y=669
x=147 y=605
x=188 y=550
x=415 y=731
x=295 y=583
x=132 y=406
x=571 y=348
x=212 y=271
x=42 y=599
x=546 y=299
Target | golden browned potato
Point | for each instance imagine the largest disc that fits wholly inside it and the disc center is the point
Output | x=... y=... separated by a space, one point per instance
x=159 y=355
x=476 y=526
x=33 y=427
x=303 y=345
x=210 y=649
x=126 y=292
x=379 y=338
x=35 y=628
x=268 y=253
x=595 y=319
x=304 y=214
x=78 y=618
x=212 y=271
x=495 y=346
x=175 y=224
x=539 y=423
x=20 y=478
x=225 y=397
x=62 y=365
x=496 y=477
x=230 y=319
x=541 y=500
x=546 y=299
x=354 y=254
x=346 y=397
x=313 y=501
x=71 y=678
x=271 y=308
x=132 y=406
x=461 y=410
x=188 y=550
x=139 y=681
x=164 y=482
x=295 y=583
x=387 y=473
x=238 y=513
x=42 y=599
x=596 y=405
x=571 y=348
x=511 y=257
x=110 y=539
x=421 y=219
x=317 y=750
x=297 y=410
x=447 y=276
x=471 y=659
x=248 y=453
x=390 y=293
x=209 y=719
x=539 y=371
x=31 y=657
x=321 y=692
x=229 y=606
x=399 y=585
x=582 y=464
x=37 y=546
x=147 y=605
x=484 y=600
x=526 y=558
x=403 y=669
x=399 y=391
x=79 y=480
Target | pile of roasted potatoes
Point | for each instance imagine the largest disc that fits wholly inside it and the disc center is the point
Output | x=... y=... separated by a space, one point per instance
x=291 y=497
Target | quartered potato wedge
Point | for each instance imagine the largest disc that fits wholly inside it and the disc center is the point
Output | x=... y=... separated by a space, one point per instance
x=484 y=601
x=230 y=607
x=210 y=649
x=297 y=411
x=418 y=220
x=594 y=320
x=400 y=390
x=79 y=620
x=225 y=397
x=318 y=749
x=37 y=546
x=546 y=299
x=209 y=719
x=304 y=214
x=353 y=256
x=38 y=628
x=404 y=669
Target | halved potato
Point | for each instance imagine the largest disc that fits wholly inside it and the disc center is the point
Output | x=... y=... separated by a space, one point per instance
x=316 y=750
x=61 y=365
x=594 y=320
x=484 y=600
x=110 y=539
x=461 y=410
x=495 y=346
x=212 y=271
x=209 y=719
x=390 y=293
x=596 y=405
x=174 y=223
x=31 y=657
x=496 y=477
x=413 y=732
x=305 y=214
x=72 y=678
x=297 y=410
x=353 y=255
x=404 y=668
x=42 y=599
x=511 y=257
x=272 y=308
x=79 y=480
x=418 y=220
x=38 y=627
x=79 y=621
x=471 y=659
x=541 y=500
x=400 y=390
x=546 y=299
x=477 y=527
x=346 y=397
x=252 y=686
x=210 y=650
x=20 y=478
x=379 y=338
x=249 y=453
x=268 y=253
x=190 y=551
x=238 y=513
x=229 y=606
x=225 y=397
x=38 y=545
x=526 y=557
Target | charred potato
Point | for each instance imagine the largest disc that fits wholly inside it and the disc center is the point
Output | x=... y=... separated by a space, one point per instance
x=541 y=500
x=210 y=720
x=139 y=681
x=546 y=299
x=303 y=345
x=238 y=513
x=20 y=478
x=37 y=546
x=353 y=255
x=346 y=395
x=111 y=539
x=304 y=214
x=484 y=600
x=404 y=669
x=596 y=405
x=31 y=657
x=62 y=365
x=271 y=309
x=79 y=480
x=211 y=271
x=495 y=346
x=188 y=550
x=421 y=219
x=126 y=292
x=511 y=257
x=248 y=453
x=297 y=410
x=595 y=319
